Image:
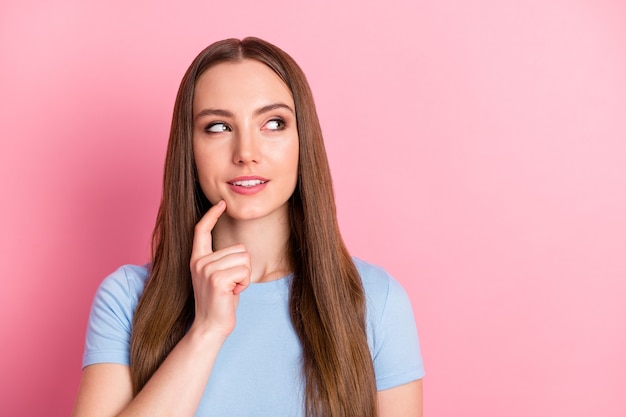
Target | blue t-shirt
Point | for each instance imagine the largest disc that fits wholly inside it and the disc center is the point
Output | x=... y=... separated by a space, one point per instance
x=258 y=370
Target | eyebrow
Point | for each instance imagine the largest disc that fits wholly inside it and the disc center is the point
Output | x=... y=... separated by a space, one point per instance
x=257 y=112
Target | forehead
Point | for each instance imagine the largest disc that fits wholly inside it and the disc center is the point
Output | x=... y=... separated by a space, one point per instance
x=232 y=85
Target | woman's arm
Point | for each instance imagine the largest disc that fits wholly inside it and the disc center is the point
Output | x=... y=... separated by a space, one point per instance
x=105 y=389
x=402 y=401
x=176 y=388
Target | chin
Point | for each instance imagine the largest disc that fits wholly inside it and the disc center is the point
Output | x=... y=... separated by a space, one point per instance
x=255 y=213
x=243 y=216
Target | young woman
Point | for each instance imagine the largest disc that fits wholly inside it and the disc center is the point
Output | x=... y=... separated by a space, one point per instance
x=251 y=304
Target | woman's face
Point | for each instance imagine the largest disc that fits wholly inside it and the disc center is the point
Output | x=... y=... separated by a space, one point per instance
x=245 y=139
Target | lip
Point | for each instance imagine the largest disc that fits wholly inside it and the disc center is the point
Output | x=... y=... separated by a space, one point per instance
x=247 y=190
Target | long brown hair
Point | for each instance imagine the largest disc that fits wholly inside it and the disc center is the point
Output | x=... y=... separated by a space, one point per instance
x=327 y=301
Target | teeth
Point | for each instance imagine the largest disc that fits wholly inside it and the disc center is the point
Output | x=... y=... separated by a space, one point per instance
x=248 y=183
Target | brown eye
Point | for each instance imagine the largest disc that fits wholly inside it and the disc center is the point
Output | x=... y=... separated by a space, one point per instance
x=275 y=124
x=217 y=127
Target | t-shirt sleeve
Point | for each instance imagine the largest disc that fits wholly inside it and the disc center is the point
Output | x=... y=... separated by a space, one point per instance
x=397 y=356
x=109 y=327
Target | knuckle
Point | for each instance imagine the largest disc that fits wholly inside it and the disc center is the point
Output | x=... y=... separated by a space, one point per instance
x=217 y=277
x=243 y=257
x=194 y=266
x=201 y=267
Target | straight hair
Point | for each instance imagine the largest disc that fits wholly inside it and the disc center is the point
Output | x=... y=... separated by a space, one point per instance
x=326 y=300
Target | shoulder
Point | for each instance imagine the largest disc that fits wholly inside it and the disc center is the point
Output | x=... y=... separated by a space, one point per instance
x=386 y=298
x=128 y=281
x=391 y=331
x=119 y=293
x=379 y=286
x=110 y=320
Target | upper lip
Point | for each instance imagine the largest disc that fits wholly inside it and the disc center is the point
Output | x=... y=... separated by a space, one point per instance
x=247 y=178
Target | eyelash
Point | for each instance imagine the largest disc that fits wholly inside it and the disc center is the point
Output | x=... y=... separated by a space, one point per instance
x=211 y=125
x=281 y=123
x=281 y=126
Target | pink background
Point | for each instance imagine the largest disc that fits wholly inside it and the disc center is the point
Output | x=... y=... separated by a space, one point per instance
x=478 y=151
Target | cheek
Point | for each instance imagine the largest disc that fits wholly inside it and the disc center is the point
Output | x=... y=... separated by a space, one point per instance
x=208 y=188
x=210 y=192
x=207 y=169
x=293 y=161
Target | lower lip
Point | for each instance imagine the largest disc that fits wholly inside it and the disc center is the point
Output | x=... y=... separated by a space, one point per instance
x=247 y=190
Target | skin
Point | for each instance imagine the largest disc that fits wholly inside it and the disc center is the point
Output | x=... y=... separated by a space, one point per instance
x=244 y=124
x=401 y=401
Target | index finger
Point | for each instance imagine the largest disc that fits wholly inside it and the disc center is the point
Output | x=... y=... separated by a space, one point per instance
x=202 y=239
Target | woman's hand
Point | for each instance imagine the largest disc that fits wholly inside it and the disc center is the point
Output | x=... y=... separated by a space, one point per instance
x=176 y=388
x=218 y=277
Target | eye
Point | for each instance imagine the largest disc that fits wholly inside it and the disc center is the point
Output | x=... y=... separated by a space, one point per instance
x=275 y=124
x=217 y=127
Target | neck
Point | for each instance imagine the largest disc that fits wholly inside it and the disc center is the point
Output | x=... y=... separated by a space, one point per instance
x=266 y=240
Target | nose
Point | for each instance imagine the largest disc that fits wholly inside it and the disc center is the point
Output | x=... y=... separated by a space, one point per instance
x=246 y=149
